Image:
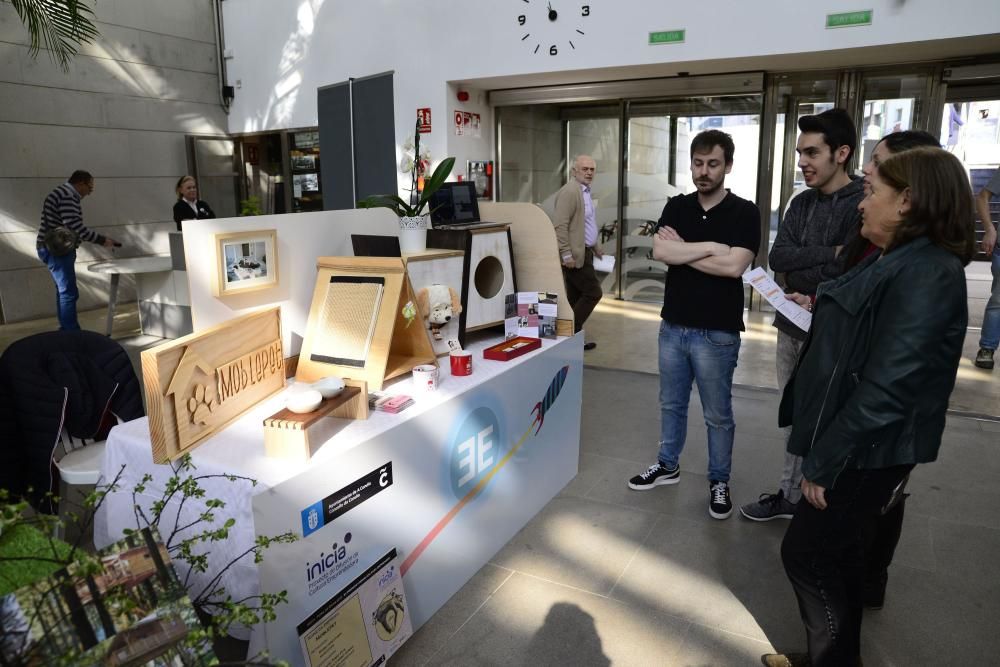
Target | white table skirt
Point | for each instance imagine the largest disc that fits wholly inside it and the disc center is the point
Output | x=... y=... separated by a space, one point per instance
x=239 y=450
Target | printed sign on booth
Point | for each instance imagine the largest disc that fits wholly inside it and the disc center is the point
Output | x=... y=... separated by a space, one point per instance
x=446 y=488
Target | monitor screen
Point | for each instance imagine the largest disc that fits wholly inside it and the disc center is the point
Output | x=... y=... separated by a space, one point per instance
x=455 y=203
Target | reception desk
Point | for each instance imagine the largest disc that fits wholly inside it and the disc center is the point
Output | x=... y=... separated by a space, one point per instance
x=447 y=483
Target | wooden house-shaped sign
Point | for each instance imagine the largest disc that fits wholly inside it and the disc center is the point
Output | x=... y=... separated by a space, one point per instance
x=197 y=384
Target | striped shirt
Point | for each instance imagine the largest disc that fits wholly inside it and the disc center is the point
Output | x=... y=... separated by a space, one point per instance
x=62 y=207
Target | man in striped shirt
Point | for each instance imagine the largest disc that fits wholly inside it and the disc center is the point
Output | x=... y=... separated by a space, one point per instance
x=62 y=209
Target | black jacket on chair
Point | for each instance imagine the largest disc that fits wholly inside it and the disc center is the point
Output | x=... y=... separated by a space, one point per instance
x=51 y=380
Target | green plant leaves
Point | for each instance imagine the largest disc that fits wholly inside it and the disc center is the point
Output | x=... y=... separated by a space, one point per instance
x=404 y=209
x=60 y=26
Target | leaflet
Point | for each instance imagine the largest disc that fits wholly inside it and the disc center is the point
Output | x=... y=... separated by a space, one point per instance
x=767 y=288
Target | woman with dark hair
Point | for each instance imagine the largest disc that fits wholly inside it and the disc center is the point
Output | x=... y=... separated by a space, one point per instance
x=188 y=206
x=868 y=398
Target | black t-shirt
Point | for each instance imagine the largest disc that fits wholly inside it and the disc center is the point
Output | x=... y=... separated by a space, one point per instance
x=700 y=300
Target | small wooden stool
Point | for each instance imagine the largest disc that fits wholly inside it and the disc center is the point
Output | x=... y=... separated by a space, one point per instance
x=286 y=433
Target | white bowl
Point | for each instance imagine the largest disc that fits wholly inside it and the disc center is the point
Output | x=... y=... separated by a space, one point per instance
x=303 y=401
x=329 y=386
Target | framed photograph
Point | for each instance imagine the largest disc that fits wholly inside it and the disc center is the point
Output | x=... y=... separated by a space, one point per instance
x=308 y=139
x=247 y=261
x=305 y=183
x=303 y=162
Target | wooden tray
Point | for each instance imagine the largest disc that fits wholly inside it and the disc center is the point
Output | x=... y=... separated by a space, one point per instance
x=512 y=348
x=285 y=432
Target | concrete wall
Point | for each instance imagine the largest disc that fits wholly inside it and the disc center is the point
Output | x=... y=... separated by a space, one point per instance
x=120 y=112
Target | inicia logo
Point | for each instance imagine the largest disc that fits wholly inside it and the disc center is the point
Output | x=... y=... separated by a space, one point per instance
x=477 y=448
x=386 y=577
x=330 y=564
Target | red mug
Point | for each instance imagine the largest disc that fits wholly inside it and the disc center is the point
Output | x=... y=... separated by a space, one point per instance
x=461 y=362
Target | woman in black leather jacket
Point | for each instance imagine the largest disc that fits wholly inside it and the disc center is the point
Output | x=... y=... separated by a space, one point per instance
x=868 y=399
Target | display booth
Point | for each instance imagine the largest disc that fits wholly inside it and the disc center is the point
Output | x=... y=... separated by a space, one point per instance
x=428 y=495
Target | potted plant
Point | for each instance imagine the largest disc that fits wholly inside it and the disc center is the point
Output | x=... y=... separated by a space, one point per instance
x=413 y=216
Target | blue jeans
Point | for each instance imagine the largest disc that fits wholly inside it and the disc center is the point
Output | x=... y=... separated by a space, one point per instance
x=63 y=270
x=707 y=357
x=990 y=337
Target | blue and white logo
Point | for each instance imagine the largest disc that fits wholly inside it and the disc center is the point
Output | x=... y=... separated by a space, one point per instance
x=477 y=448
x=312 y=518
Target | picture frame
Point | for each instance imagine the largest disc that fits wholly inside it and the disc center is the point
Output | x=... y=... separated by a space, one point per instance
x=246 y=261
x=303 y=162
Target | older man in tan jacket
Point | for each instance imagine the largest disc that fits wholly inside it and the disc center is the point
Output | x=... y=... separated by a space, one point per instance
x=576 y=231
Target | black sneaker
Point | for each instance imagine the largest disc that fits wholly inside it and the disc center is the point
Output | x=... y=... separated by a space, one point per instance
x=984 y=359
x=656 y=475
x=720 y=506
x=769 y=506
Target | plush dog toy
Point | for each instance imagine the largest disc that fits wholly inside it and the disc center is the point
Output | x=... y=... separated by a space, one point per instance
x=438 y=304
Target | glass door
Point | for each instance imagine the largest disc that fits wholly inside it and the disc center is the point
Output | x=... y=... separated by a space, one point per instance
x=891 y=102
x=790 y=96
x=970 y=128
x=537 y=145
x=214 y=168
x=596 y=131
x=658 y=167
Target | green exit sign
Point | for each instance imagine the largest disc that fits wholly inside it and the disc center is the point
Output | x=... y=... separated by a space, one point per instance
x=849 y=19
x=666 y=37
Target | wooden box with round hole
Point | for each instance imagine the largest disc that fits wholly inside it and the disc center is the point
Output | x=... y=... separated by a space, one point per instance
x=488 y=272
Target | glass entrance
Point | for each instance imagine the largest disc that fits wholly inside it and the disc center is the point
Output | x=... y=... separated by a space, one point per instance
x=891 y=103
x=789 y=97
x=658 y=167
x=537 y=146
x=970 y=129
x=213 y=166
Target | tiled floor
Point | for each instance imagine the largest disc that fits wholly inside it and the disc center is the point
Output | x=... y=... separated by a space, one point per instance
x=606 y=575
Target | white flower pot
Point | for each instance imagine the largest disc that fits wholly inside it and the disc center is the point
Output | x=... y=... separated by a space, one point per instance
x=413 y=233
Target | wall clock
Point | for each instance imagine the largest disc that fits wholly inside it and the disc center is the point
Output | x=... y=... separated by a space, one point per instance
x=551 y=26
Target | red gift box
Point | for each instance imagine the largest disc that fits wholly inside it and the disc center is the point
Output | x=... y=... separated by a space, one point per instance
x=511 y=348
